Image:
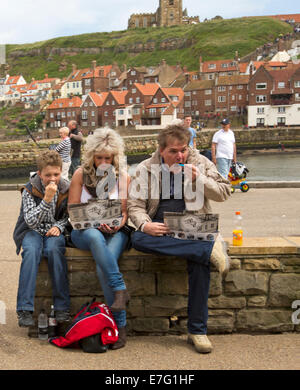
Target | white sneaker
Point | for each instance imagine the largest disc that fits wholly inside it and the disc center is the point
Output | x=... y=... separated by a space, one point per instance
x=219 y=256
x=200 y=342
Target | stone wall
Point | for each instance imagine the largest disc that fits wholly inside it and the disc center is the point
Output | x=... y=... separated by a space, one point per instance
x=256 y=296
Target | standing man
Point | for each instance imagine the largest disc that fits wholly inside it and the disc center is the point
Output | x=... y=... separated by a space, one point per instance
x=76 y=140
x=187 y=125
x=223 y=149
x=155 y=190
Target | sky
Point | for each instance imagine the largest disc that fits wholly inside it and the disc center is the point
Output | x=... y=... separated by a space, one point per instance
x=28 y=21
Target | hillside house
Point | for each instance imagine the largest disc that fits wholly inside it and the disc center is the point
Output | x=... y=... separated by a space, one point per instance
x=62 y=110
x=274 y=97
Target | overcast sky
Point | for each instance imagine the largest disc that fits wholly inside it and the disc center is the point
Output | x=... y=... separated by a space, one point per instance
x=27 y=21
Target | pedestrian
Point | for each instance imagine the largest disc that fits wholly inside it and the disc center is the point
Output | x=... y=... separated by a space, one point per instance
x=39 y=232
x=153 y=191
x=64 y=150
x=76 y=140
x=223 y=148
x=104 y=150
x=187 y=124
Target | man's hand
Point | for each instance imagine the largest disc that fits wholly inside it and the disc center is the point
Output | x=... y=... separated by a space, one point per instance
x=53 y=232
x=104 y=228
x=50 y=191
x=191 y=171
x=156 y=229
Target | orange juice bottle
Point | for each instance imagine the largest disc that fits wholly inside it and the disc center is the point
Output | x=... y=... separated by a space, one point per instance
x=238 y=230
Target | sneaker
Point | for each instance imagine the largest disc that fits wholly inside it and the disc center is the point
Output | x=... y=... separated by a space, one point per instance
x=62 y=316
x=219 y=256
x=200 y=342
x=25 y=318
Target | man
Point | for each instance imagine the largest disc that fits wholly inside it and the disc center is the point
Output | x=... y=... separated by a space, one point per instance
x=153 y=191
x=76 y=140
x=187 y=125
x=39 y=231
x=223 y=149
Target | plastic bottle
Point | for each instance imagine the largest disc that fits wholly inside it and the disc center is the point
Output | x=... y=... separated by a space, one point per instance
x=52 y=323
x=238 y=230
x=43 y=325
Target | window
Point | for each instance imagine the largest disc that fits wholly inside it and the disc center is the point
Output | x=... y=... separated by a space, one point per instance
x=133 y=73
x=208 y=92
x=87 y=82
x=233 y=108
x=211 y=66
x=130 y=100
x=240 y=87
x=91 y=104
x=121 y=112
x=106 y=113
x=152 y=111
x=138 y=100
x=86 y=104
x=69 y=114
x=221 y=99
x=261 y=98
x=107 y=103
x=51 y=115
x=163 y=100
x=187 y=104
x=297 y=84
x=187 y=94
x=208 y=102
x=93 y=113
x=84 y=114
x=260 y=110
x=240 y=97
x=113 y=103
x=221 y=89
x=233 y=97
x=281 y=84
x=133 y=90
x=281 y=110
x=261 y=86
x=260 y=121
x=297 y=96
x=136 y=111
x=281 y=120
x=93 y=124
x=63 y=114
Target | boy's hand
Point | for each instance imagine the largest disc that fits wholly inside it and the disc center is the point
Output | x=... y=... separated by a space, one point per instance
x=156 y=229
x=50 y=191
x=53 y=232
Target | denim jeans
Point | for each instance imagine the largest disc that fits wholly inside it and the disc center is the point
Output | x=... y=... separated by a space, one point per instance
x=75 y=163
x=106 y=250
x=197 y=254
x=35 y=247
x=223 y=166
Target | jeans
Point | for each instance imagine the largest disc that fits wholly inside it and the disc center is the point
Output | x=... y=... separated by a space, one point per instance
x=223 y=166
x=198 y=266
x=75 y=163
x=35 y=247
x=106 y=250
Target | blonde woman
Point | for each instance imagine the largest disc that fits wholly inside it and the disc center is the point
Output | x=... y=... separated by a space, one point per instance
x=103 y=156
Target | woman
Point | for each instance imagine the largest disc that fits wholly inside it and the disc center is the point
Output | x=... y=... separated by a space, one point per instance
x=104 y=159
x=64 y=150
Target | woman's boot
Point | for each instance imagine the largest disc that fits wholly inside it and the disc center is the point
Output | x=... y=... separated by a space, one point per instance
x=121 y=340
x=121 y=299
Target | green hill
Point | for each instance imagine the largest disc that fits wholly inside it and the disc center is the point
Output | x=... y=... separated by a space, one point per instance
x=179 y=44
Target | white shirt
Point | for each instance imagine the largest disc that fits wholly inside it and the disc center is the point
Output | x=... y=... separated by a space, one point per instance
x=225 y=141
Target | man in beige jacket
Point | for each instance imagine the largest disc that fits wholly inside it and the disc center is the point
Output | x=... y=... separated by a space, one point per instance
x=155 y=190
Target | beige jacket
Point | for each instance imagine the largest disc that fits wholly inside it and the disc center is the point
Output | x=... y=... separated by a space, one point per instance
x=143 y=201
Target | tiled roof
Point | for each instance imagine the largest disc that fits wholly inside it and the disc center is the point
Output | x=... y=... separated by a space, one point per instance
x=199 y=84
x=66 y=103
x=12 y=80
x=119 y=96
x=233 y=80
x=295 y=17
x=98 y=98
x=149 y=89
x=206 y=66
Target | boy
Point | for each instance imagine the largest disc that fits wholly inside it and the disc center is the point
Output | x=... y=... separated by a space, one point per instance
x=42 y=220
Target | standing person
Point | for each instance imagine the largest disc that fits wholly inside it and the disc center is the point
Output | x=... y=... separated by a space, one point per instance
x=104 y=150
x=64 y=150
x=150 y=195
x=223 y=148
x=187 y=124
x=39 y=231
x=76 y=140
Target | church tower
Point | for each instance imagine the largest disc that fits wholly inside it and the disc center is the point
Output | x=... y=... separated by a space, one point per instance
x=169 y=13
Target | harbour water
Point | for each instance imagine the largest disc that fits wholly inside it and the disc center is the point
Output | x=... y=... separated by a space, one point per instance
x=281 y=166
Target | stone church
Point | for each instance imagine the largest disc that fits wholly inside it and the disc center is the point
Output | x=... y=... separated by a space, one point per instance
x=169 y=13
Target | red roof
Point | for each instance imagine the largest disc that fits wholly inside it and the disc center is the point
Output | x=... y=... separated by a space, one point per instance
x=295 y=17
x=12 y=80
x=65 y=103
x=148 y=89
x=119 y=96
x=98 y=98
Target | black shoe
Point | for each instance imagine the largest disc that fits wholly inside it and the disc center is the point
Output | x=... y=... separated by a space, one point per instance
x=63 y=316
x=25 y=318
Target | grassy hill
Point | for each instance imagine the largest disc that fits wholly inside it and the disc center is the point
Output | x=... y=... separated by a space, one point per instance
x=213 y=40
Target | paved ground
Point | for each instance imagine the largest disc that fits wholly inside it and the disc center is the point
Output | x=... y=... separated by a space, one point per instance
x=266 y=213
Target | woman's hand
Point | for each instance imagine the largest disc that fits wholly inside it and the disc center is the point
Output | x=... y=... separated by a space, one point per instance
x=53 y=232
x=104 y=228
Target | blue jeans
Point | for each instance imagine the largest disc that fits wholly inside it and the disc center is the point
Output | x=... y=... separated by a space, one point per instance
x=223 y=166
x=35 y=247
x=197 y=254
x=106 y=250
x=75 y=163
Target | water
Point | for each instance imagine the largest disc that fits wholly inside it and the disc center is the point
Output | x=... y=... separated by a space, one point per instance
x=262 y=167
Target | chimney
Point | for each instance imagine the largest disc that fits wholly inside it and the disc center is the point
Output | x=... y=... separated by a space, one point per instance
x=236 y=57
x=74 y=68
x=163 y=62
x=187 y=78
x=185 y=69
x=94 y=64
x=251 y=71
x=46 y=75
x=200 y=65
x=33 y=79
x=124 y=67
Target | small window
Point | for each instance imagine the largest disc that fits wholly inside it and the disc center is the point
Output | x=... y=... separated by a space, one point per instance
x=261 y=86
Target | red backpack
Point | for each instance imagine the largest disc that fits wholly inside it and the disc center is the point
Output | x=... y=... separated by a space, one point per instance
x=93 y=327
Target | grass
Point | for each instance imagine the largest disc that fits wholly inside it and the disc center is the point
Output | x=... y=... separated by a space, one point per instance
x=213 y=40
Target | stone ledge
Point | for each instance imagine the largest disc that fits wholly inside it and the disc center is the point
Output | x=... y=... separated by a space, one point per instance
x=256 y=296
